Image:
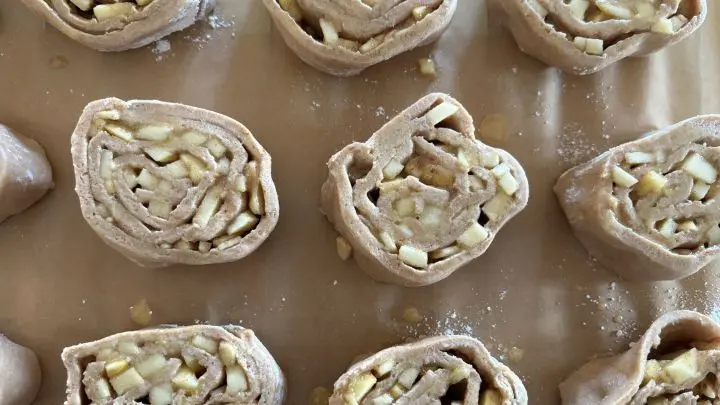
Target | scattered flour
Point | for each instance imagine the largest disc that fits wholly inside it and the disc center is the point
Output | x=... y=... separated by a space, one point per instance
x=161 y=47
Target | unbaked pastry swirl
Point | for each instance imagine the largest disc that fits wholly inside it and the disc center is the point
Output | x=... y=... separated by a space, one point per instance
x=422 y=196
x=193 y=365
x=455 y=370
x=344 y=37
x=676 y=362
x=648 y=209
x=585 y=36
x=119 y=25
x=169 y=184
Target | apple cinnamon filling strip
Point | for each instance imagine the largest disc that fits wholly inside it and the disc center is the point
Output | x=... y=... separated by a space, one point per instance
x=676 y=362
x=455 y=370
x=165 y=183
x=345 y=37
x=422 y=196
x=584 y=36
x=192 y=365
x=657 y=196
x=117 y=25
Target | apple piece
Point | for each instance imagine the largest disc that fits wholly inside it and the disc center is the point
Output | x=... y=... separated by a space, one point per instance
x=103 y=388
x=408 y=376
x=161 y=154
x=344 y=249
x=104 y=12
x=151 y=365
x=106 y=165
x=508 y=184
x=465 y=159
x=397 y=391
x=208 y=207
x=668 y=228
x=427 y=67
x=160 y=208
x=384 y=368
x=441 y=112
x=580 y=43
x=491 y=396
x=637 y=158
x=699 y=190
x=157 y=133
x=701 y=169
x=644 y=10
x=496 y=208
x=108 y=355
x=687 y=226
x=578 y=8
x=384 y=399
x=393 y=169
x=683 y=368
x=292 y=8
x=459 y=373
x=228 y=353
x=653 y=371
x=243 y=223
x=257 y=200
x=330 y=32
x=143 y=3
x=116 y=367
x=216 y=148
x=388 y=241
x=129 y=348
x=663 y=26
x=678 y=21
x=489 y=159
x=614 y=10
x=445 y=252
x=176 y=170
x=359 y=387
x=107 y=114
x=405 y=207
x=116 y=130
x=205 y=343
x=370 y=44
x=651 y=182
x=431 y=216
x=195 y=166
x=194 y=138
x=473 y=236
x=413 y=256
x=147 y=180
x=185 y=379
x=500 y=170
x=161 y=395
x=420 y=12
x=237 y=381
x=126 y=381
x=227 y=241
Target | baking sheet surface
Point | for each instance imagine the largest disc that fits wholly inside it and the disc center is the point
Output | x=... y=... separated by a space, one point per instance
x=536 y=299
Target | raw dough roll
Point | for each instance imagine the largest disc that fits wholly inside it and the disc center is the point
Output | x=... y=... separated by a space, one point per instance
x=190 y=365
x=647 y=209
x=676 y=362
x=167 y=183
x=344 y=37
x=20 y=373
x=585 y=36
x=445 y=369
x=422 y=197
x=119 y=25
x=25 y=174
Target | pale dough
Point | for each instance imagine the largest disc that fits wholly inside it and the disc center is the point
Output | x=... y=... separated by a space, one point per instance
x=20 y=373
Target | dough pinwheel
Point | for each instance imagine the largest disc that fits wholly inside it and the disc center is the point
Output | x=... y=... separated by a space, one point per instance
x=422 y=196
x=121 y=24
x=444 y=369
x=585 y=36
x=676 y=361
x=344 y=37
x=648 y=209
x=169 y=184
x=193 y=365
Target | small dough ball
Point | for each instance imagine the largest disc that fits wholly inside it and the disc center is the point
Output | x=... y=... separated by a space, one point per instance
x=19 y=373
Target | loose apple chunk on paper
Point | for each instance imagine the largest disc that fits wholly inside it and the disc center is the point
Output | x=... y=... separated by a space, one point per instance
x=647 y=209
x=193 y=365
x=445 y=369
x=120 y=25
x=585 y=36
x=344 y=37
x=169 y=184
x=676 y=361
x=422 y=197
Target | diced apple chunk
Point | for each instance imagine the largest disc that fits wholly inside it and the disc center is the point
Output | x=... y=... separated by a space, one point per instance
x=195 y=166
x=185 y=379
x=663 y=26
x=459 y=373
x=393 y=169
x=699 y=191
x=208 y=207
x=126 y=381
x=106 y=165
x=108 y=355
x=684 y=368
x=176 y=169
x=151 y=365
x=445 y=252
x=427 y=67
x=397 y=391
x=147 y=180
x=595 y=46
x=329 y=31
x=473 y=236
x=500 y=170
x=420 y=12
x=194 y=138
x=678 y=21
x=408 y=376
x=652 y=182
x=441 y=112
x=508 y=184
x=578 y=8
x=116 y=130
x=161 y=154
x=105 y=12
x=668 y=227
x=370 y=44
x=205 y=343
x=687 y=226
x=228 y=353
x=413 y=256
x=701 y=169
x=431 y=216
x=344 y=249
x=384 y=368
x=384 y=399
x=159 y=208
x=636 y=158
x=116 y=367
x=614 y=10
x=491 y=396
x=653 y=371
x=405 y=207
x=489 y=159
x=292 y=8
x=161 y=395
x=142 y=3
x=216 y=148
x=644 y=10
x=243 y=223
x=156 y=133
x=496 y=208
x=388 y=241
x=103 y=388
x=107 y=114
x=237 y=381
x=359 y=387
x=129 y=348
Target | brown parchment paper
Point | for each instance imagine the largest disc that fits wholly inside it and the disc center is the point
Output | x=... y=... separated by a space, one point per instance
x=535 y=298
